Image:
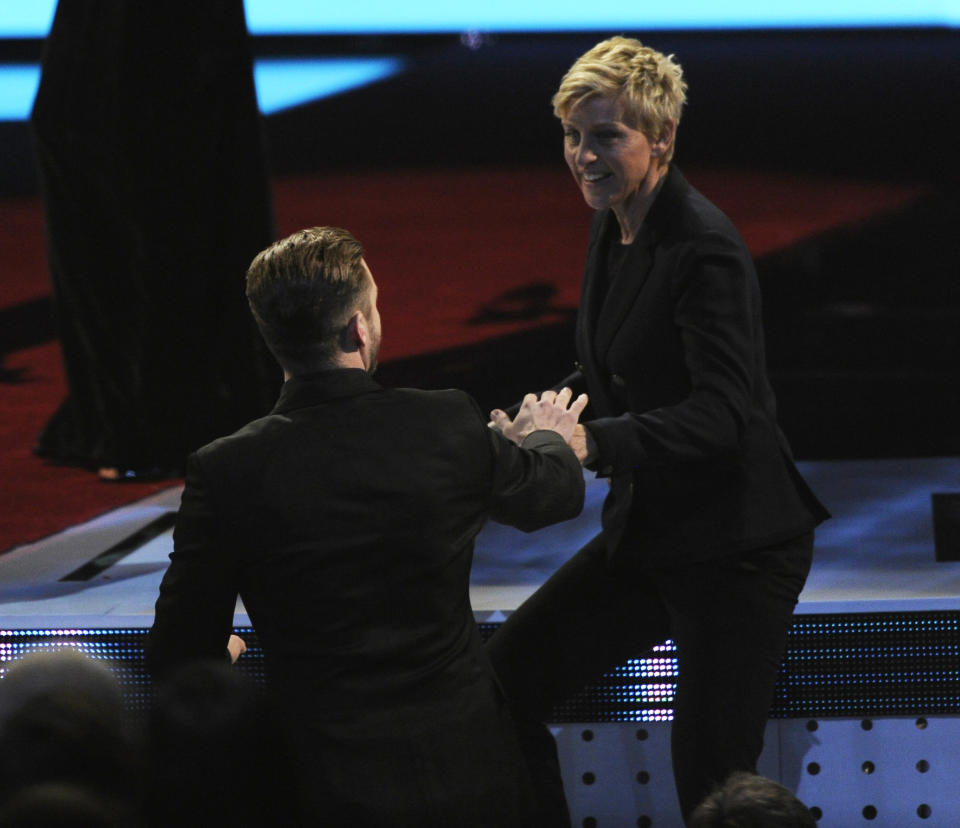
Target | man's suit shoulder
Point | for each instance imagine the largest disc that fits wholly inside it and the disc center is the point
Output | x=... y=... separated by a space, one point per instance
x=253 y=432
x=447 y=396
x=450 y=406
x=449 y=411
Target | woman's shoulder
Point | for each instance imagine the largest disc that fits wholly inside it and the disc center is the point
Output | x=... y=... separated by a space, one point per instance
x=686 y=213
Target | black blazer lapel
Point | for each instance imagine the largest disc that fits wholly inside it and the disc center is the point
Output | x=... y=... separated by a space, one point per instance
x=636 y=266
x=589 y=309
x=625 y=286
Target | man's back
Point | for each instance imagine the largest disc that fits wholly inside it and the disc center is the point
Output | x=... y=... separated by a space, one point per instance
x=346 y=520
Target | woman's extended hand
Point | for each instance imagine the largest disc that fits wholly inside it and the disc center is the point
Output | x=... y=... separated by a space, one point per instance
x=552 y=412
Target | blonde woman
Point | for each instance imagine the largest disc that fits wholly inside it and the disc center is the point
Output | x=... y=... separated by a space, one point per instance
x=707 y=530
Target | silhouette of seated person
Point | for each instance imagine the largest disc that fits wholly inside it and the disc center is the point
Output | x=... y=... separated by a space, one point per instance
x=214 y=753
x=746 y=800
x=66 y=744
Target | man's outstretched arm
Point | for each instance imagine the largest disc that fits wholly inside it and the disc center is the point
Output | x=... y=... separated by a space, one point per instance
x=538 y=479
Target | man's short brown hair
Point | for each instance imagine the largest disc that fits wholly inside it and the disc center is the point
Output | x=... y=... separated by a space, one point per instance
x=303 y=290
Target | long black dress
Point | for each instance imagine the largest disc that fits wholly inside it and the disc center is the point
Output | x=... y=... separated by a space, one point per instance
x=156 y=194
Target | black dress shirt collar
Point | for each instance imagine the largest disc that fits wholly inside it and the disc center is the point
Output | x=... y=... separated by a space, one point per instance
x=317 y=387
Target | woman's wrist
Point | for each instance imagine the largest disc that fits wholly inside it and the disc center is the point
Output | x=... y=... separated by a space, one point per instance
x=583 y=445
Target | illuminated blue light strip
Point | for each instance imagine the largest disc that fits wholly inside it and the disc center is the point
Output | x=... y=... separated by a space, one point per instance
x=281 y=84
x=387 y=16
x=874 y=684
x=18 y=88
x=33 y=19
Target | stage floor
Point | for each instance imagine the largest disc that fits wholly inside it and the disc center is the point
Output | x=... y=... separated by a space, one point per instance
x=875 y=554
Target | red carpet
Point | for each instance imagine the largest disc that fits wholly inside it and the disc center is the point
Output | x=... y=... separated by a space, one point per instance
x=442 y=244
x=38 y=498
x=22 y=254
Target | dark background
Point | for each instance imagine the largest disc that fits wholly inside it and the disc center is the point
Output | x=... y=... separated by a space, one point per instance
x=863 y=322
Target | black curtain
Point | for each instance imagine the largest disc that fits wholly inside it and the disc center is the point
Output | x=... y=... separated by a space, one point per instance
x=157 y=197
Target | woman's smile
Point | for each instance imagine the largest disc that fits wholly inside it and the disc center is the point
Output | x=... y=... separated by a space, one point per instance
x=614 y=164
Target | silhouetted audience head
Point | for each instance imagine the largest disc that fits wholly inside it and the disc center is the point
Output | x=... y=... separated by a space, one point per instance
x=747 y=800
x=56 y=805
x=216 y=757
x=66 y=745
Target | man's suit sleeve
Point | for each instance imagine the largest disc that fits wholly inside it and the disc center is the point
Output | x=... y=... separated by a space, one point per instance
x=537 y=484
x=194 y=613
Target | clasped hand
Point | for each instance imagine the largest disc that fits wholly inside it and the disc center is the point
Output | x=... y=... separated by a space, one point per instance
x=553 y=412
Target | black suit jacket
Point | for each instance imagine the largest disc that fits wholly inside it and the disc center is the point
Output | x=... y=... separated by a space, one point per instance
x=671 y=346
x=346 y=520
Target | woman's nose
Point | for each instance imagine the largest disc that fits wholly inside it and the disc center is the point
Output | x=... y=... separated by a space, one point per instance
x=585 y=154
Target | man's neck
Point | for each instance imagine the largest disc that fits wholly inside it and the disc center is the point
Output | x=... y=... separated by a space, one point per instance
x=342 y=360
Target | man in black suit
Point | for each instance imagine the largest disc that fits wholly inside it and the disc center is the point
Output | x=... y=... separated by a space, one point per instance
x=345 y=520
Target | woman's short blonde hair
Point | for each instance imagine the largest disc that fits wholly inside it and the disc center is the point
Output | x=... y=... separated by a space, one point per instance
x=648 y=84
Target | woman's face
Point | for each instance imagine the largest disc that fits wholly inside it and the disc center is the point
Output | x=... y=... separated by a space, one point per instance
x=610 y=161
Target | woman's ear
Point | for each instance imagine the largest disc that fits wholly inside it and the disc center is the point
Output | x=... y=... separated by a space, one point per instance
x=660 y=147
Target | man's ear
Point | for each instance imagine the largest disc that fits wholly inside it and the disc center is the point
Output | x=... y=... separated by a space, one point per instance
x=358 y=332
x=659 y=147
